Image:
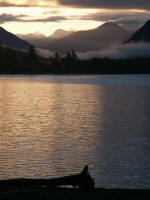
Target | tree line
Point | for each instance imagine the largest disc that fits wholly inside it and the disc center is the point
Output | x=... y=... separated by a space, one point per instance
x=17 y=62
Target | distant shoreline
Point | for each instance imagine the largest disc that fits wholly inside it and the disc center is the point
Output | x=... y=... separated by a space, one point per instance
x=68 y=74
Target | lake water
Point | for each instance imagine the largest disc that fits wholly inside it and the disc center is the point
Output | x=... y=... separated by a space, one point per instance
x=52 y=126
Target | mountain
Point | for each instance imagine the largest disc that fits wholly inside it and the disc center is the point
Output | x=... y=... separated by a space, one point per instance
x=36 y=39
x=60 y=33
x=102 y=37
x=31 y=36
x=40 y=40
x=10 y=40
x=142 y=34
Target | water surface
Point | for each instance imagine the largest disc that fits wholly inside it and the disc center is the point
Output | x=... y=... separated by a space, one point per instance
x=52 y=126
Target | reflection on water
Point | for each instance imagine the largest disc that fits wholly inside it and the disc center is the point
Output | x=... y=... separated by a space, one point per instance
x=50 y=128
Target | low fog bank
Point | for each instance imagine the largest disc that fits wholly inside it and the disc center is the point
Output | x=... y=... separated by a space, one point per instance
x=124 y=51
x=44 y=52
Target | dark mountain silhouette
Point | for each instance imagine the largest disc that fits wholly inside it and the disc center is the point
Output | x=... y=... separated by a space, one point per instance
x=142 y=34
x=10 y=40
x=96 y=39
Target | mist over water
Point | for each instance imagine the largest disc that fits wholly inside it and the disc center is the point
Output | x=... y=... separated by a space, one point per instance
x=122 y=51
x=52 y=126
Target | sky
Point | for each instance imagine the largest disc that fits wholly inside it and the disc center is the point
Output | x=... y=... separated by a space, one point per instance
x=46 y=16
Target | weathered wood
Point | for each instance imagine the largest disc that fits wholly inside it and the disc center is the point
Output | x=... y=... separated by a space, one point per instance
x=82 y=180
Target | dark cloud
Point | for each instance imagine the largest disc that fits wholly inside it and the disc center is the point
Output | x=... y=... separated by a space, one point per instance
x=10 y=18
x=8 y=4
x=133 y=50
x=23 y=18
x=109 y=4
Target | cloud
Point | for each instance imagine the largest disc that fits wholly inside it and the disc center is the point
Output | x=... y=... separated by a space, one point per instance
x=108 y=4
x=11 y=4
x=133 y=50
x=129 y=19
x=48 y=19
x=107 y=15
x=10 y=18
x=27 y=3
x=52 y=12
x=23 y=18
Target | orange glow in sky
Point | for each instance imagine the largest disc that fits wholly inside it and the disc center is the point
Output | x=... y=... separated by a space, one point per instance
x=72 y=21
x=46 y=16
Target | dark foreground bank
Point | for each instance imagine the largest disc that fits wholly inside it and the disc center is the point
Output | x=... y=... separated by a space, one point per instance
x=55 y=193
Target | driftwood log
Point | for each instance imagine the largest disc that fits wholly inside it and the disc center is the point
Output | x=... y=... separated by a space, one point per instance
x=81 y=180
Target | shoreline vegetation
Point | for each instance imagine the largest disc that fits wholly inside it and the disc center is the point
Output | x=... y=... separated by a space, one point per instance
x=17 y=62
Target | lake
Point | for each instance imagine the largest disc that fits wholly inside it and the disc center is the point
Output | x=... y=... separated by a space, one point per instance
x=52 y=126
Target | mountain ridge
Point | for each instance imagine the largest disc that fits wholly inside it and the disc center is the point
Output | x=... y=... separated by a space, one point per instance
x=40 y=40
x=99 y=38
x=60 y=33
x=141 y=35
x=11 y=40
